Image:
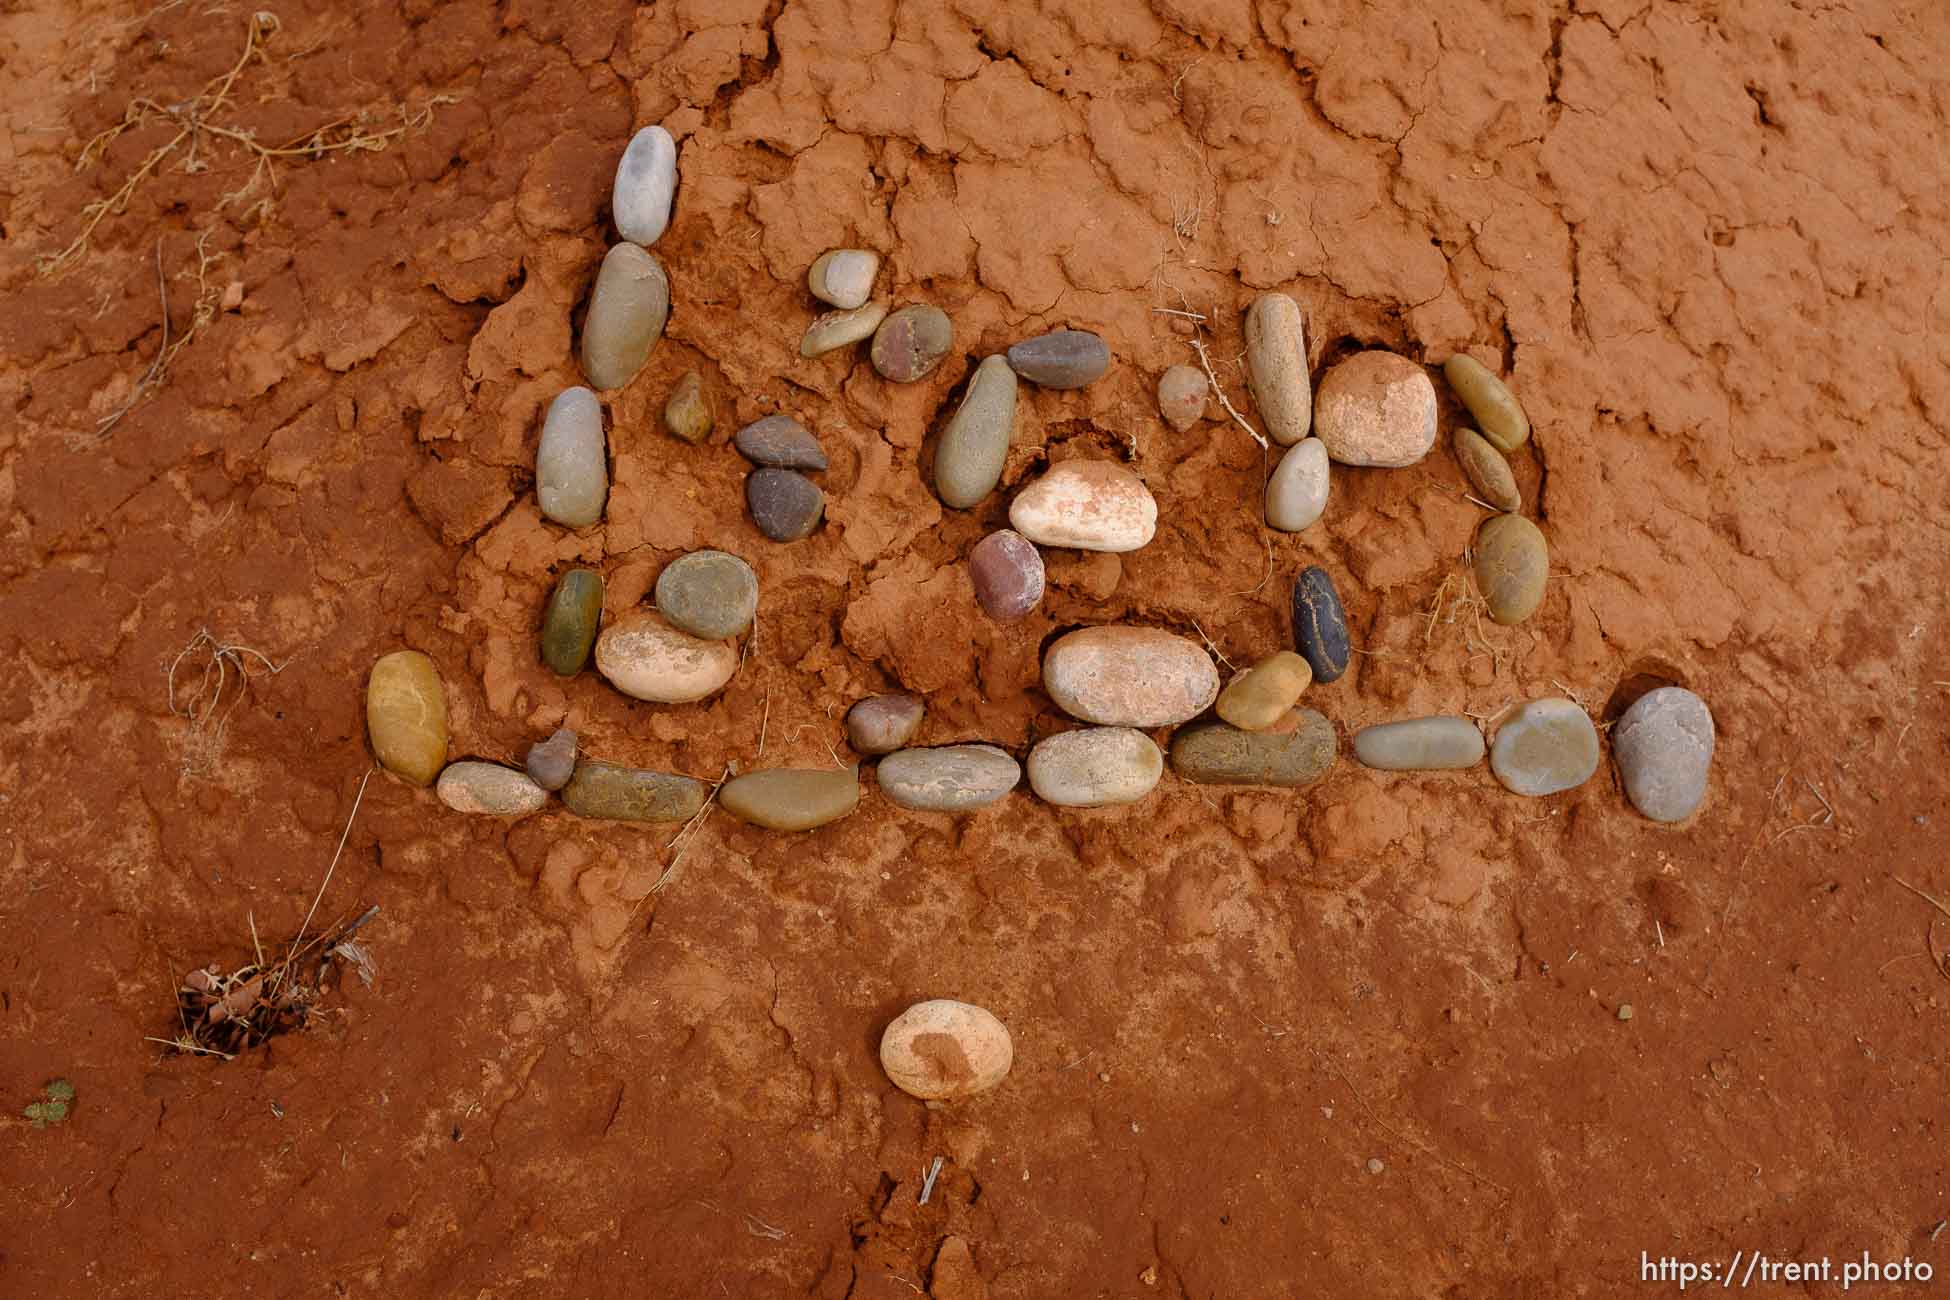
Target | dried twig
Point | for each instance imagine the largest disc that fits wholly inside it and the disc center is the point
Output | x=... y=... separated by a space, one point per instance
x=687 y=833
x=1198 y=346
x=927 y=1183
x=344 y=835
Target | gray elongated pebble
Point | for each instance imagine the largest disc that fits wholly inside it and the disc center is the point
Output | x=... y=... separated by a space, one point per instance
x=781 y=442
x=1182 y=394
x=844 y=277
x=975 y=445
x=613 y=792
x=643 y=656
x=785 y=504
x=1276 y=367
x=1420 y=745
x=1129 y=676
x=572 y=463
x=687 y=413
x=1487 y=471
x=1376 y=408
x=627 y=312
x=1512 y=567
x=1093 y=505
x=552 y=762
x=1218 y=753
x=709 y=594
x=1007 y=571
x=881 y=724
x=839 y=329
x=792 y=799
x=489 y=789
x=1320 y=624
x=1296 y=494
x=1061 y=359
x=1095 y=767
x=942 y=1050
x=949 y=778
x=1664 y=748
x=646 y=183
x=1550 y=745
x=911 y=342
x=1491 y=403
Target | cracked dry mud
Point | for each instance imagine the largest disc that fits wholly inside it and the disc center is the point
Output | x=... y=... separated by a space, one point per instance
x=1706 y=244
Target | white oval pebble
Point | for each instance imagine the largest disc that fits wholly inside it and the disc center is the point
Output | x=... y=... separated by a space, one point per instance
x=489 y=788
x=1094 y=767
x=942 y=1049
x=572 y=463
x=643 y=656
x=646 y=183
x=1092 y=505
x=1296 y=495
x=844 y=277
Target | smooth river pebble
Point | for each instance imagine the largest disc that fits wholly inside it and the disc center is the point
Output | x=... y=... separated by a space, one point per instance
x=1494 y=407
x=646 y=658
x=489 y=789
x=572 y=462
x=1182 y=394
x=1664 y=748
x=792 y=798
x=881 y=724
x=1261 y=696
x=646 y=182
x=1217 y=753
x=1092 y=505
x=1487 y=471
x=1129 y=676
x=1095 y=767
x=781 y=442
x=569 y=625
x=626 y=316
x=949 y=778
x=709 y=594
x=687 y=413
x=839 y=329
x=1061 y=359
x=785 y=504
x=552 y=762
x=1276 y=367
x=1512 y=566
x=911 y=342
x=1550 y=745
x=975 y=444
x=1296 y=494
x=1420 y=745
x=944 y=1050
x=406 y=716
x=1320 y=624
x=1007 y=571
x=1376 y=408
x=844 y=277
x=631 y=794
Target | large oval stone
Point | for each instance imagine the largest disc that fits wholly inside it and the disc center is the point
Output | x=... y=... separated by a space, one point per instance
x=1296 y=494
x=881 y=724
x=791 y=798
x=1320 y=624
x=1007 y=571
x=687 y=412
x=1512 y=567
x=1261 y=696
x=643 y=656
x=911 y=342
x=1420 y=745
x=406 y=716
x=1664 y=747
x=1092 y=505
x=570 y=623
x=975 y=444
x=839 y=329
x=1491 y=403
x=1487 y=471
x=1376 y=408
x=631 y=794
x=785 y=504
x=1276 y=367
x=1095 y=767
x=1550 y=745
x=552 y=762
x=844 y=277
x=1182 y=395
x=709 y=594
x=572 y=462
x=949 y=778
x=646 y=183
x=1061 y=359
x=943 y=1050
x=780 y=441
x=626 y=316
x=489 y=789
x=1129 y=676
x=1217 y=753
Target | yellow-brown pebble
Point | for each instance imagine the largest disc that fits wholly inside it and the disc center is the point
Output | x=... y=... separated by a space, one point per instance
x=406 y=716
x=1261 y=696
x=1512 y=565
x=1496 y=409
x=1488 y=472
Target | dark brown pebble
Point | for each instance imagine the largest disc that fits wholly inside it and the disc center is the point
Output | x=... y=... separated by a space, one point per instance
x=1007 y=571
x=1061 y=359
x=911 y=342
x=785 y=504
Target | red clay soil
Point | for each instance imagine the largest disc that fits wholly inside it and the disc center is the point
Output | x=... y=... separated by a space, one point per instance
x=1363 y=1040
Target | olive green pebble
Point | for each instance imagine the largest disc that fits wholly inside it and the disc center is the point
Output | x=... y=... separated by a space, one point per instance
x=1218 y=753
x=1512 y=566
x=612 y=792
x=1488 y=472
x=688 y=413
x=569 y=627
x=792 y=799
x=709 y=594
x=1495 y=408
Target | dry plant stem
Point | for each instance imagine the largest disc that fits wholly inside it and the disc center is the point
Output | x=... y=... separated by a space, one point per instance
x=155 y=367
x=291 y=955
x=687 y=834
x=1403 y=1138
x=1198 y=346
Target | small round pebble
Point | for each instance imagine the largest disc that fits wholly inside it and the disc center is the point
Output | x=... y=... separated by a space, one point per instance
x=949 y=778
x=1320 y=624
x=552 y=762
x=1375 y=1166
x=687 y=413
x=646 y=183
x=1624 y=1011
x=570 y=623
x=1664 y=748
x=626 y=317
x=1376 y=408
x=1261 y=696
x=944 y=1050
x=844 y=277
x=785 y=504
x=781 y=442
x=489 y=789
x=1296 y=494
x=1420 y=745
x=1007 y=571
x=612 y=792
x=646 y=658
x=1061 y=359
x=1129 y=676
x=975 y=444
x=1095 y=767
x=881 y=724
x=1487 y=471
x=1182 y=395
x=1549 y=746
x=1512 y=567
x=791 y=798
x=709 y=594
x=572 y=462
x=911 y=342
x=1491 y=403
x=839 y=329
x=1217 y=753
x=1276 y=367
x=406 y=716
x=1092 y=505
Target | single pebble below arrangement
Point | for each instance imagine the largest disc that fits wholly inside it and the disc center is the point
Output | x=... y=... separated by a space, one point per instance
x=1320 y=624
x=627 y=312
x=1183 y=392
x=1091 y=505
x=490 y=790
x=406 y=716
x=944 y=1050
x=646 y=658
x=785 y=504
x=975 y=444
x=709 y=594
x=791 y=798
x=911 y=342
x=1261 y=695
x=1549 y=746
x=840 y=329
x=570 y=623
x=1376 y=409
x=1061 y=359
x=1095 y=767
x=612 y=792
x=1420 y=745
x=1663 y=745
x=1512 y=567
x=1296 y=492
x=1006 y=570
x=572 y=462
x=1487 y=471
x=1276 y=367
x=646 y=185
x=1129 y=677
x=1490 y=403
x=950 y=778
x=1218 y=753
x=881 y=724
x=550 y=763
x=844 y=277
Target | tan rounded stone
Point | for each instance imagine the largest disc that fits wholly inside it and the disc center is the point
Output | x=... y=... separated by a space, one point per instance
x=1512 y=567
x=792 y=798
x=1129 y=677
x=1095 y=767
x=1487 y=471
x=1092 y=505
x=1376 y=408
x=406 y=716
x=489 y=789
x=643 y=656
x=1261 y=696
x=1276 y=367
x=943 y=1050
